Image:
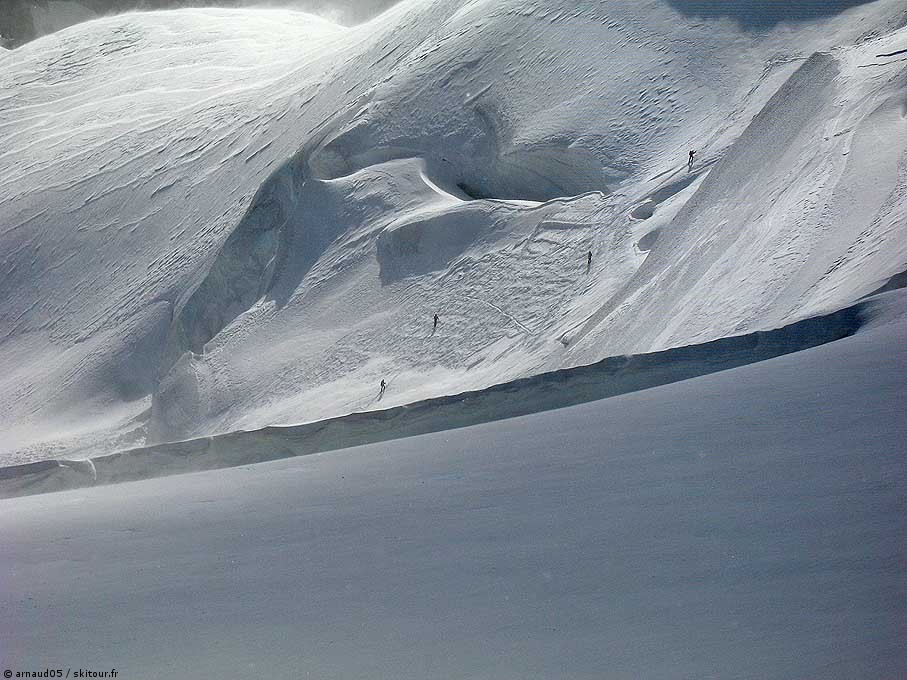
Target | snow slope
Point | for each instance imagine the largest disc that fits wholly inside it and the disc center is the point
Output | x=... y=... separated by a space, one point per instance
x=557 y=389
x=24 y=20
x=746 y=524
x=219 y=219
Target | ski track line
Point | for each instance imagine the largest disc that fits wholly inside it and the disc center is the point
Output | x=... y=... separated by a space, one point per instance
x=493 y=306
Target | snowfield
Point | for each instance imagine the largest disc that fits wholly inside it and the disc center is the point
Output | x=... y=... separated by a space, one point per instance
x=745 y=524
x=216 y=220
x=656 y=432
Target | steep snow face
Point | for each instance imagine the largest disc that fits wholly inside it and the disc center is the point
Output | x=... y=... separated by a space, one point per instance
x=217 y=219
x=782 y=224
x=108 y=137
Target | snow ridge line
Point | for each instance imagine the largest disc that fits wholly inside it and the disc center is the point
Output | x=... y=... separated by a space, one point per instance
x=558 y=389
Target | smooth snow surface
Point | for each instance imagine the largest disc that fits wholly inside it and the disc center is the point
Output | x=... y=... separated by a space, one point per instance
x=214 y=220
x=747 y=524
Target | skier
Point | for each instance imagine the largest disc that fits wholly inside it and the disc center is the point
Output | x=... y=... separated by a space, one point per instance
x=692 y=153
x=589 y=262
x=383 y=387
x=435 y=327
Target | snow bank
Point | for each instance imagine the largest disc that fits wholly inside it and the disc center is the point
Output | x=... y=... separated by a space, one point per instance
x=420 y=244
x=613 y=376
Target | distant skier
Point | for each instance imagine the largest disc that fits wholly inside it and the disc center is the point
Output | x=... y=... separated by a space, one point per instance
x=435 y=327
x=589 y=262
x=383 y=387
x=690 y=163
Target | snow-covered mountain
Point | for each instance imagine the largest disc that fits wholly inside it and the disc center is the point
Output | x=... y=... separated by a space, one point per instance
x=25 y=20
x=221 y=230
x=214 y=220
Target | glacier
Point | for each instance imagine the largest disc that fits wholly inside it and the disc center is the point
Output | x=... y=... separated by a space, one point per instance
x=657 y=430
x=220 y=219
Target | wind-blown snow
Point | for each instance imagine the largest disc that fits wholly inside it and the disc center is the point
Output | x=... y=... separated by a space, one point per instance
x=214 y=220
x=229 y=226
x=24 y=20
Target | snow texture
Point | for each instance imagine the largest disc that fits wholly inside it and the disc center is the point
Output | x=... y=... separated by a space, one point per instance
x=216 y=220
x=542 y=392
x=221 y=220
x=744 y=524
x=24 y=20
x=222 y=229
